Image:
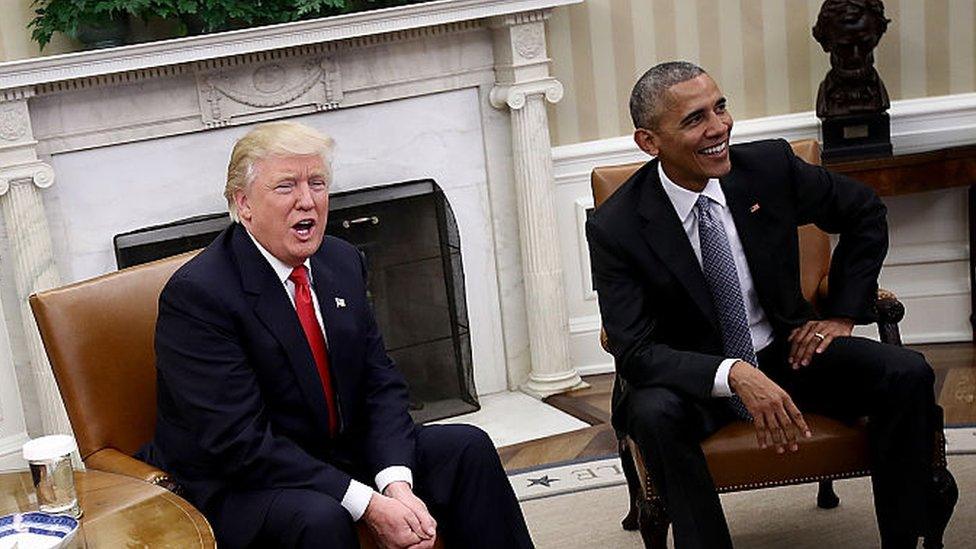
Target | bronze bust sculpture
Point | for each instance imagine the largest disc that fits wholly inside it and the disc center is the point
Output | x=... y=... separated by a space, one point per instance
x=852 y=99
x=849 y=30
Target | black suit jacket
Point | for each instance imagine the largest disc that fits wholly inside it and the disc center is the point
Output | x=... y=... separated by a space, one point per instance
x=654 y=302
x=240 y=403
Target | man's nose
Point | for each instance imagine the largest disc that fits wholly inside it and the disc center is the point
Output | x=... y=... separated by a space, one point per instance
x=716 y=125
x=305 y=200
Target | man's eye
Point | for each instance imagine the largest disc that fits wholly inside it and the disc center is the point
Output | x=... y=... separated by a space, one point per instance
x=318 y=183
x=284 y=187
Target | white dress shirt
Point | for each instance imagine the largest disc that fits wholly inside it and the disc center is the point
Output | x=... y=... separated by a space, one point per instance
x=357 y=495
x=684 y=201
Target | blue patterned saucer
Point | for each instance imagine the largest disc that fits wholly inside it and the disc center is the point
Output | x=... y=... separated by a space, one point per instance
x=36 y=530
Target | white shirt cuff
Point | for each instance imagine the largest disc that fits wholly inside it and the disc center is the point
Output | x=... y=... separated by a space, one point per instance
x=721 y=386
x=392 y=474
x=356 y=499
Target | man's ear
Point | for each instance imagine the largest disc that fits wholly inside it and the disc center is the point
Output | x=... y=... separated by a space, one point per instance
x=647 y=141
x=243 y=205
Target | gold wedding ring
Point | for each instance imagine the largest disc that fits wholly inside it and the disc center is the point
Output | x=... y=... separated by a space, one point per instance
x=819 y=335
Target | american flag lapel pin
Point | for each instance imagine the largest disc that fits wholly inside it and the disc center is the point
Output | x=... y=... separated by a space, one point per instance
x=754 y=208
x=340 y=303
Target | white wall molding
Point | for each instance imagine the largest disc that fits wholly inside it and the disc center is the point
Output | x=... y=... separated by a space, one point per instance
x=925 y=338
x=916 y=125
x=928 y=271
x=11 y=458
x=588 y=324
x=920 y=254
x=586 y=281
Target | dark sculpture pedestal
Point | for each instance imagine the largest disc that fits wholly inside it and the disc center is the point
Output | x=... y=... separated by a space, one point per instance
x=856 y=136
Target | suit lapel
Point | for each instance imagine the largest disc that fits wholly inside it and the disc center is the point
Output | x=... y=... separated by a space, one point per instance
x=276 y=312
x=328 y=292
x=665 y=235
x=752 y=232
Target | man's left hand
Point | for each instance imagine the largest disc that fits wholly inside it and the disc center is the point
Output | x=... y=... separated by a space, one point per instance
x=814 y=337
x=402 y=492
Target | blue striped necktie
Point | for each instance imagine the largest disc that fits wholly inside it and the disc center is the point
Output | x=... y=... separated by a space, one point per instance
x=723 y=282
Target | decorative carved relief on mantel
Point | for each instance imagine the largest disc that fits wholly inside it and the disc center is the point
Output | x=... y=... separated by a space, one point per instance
x=530 y=40
x=234 y=95
x=14 y=120
x=13 y=123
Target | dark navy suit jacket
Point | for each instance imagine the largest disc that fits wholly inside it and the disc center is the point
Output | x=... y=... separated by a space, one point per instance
x=240 y=403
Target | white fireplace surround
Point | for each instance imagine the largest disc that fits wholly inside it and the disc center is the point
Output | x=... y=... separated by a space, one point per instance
x=437 y=136
x=93 y=144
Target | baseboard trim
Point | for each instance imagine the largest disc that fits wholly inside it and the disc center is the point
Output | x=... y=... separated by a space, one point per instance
x=938 y=337
x=596 y=369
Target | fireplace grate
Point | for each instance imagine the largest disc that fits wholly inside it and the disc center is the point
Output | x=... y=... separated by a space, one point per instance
x=409 y=237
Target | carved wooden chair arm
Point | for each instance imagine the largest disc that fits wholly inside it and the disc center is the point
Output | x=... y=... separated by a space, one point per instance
x=890 y=311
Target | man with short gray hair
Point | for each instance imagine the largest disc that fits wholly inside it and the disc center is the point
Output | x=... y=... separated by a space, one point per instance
x=696 y=264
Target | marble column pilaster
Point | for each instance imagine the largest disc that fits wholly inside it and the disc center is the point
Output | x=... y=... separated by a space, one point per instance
x=22 y=176
x=523 y=86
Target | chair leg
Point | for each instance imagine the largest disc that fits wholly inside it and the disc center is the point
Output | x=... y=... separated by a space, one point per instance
x=654 y=523
x=630 y=522
x=942 y=500
x=826 y=497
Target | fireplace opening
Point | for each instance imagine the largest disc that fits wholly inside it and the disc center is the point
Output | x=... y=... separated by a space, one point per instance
x=409 y=238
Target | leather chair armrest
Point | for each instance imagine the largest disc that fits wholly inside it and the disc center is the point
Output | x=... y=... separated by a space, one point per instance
x=890 y=312
x=114 y=461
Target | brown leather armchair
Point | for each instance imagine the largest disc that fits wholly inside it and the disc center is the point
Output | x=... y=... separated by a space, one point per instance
x=99 y=339
x=837 y=450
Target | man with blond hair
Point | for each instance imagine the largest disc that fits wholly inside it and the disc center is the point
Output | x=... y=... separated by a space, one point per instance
x=278 y=407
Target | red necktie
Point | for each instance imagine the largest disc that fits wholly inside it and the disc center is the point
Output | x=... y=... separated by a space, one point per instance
x=313 y=332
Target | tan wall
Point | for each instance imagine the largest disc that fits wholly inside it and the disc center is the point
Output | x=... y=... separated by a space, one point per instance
x=15 y=41
x=761 y=52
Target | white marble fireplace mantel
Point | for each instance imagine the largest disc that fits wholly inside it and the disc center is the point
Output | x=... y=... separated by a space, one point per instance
x=43 y=70
x=97 y=143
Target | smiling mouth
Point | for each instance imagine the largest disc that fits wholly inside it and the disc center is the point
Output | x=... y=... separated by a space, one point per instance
x=714 y=150
x=304 y=228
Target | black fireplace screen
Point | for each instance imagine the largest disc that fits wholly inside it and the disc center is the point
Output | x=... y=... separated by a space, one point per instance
x=409 y=237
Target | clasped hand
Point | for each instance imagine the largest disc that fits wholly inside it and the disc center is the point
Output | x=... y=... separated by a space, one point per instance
x=399 y=519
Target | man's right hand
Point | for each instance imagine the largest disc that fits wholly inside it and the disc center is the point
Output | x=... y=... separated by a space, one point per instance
x=774 y=415
x=394 y=525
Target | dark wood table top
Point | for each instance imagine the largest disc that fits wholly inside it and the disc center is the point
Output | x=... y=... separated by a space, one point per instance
x=119 y=511
x=912 y=173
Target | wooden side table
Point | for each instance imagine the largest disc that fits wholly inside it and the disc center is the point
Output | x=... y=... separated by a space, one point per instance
x=912 y=173
x=119 y=511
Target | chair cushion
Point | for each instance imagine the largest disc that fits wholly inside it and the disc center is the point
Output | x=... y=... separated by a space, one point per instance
x=836 y=450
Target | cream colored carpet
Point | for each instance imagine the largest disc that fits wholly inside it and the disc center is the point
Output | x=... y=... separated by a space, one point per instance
x=762 y=519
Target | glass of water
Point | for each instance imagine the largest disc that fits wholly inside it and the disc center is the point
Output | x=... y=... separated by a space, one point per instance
x=53 y=475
